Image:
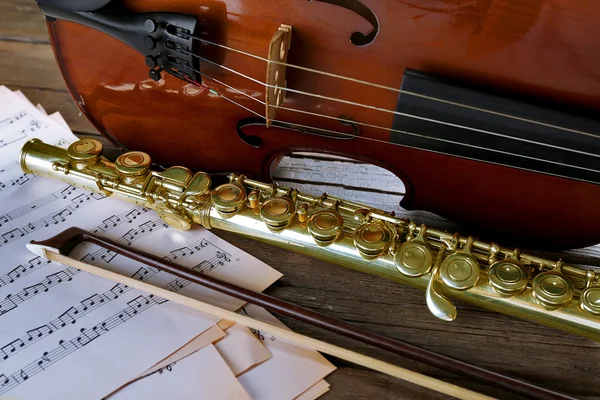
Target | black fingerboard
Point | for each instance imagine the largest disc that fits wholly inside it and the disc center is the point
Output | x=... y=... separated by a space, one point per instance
x=509 y=132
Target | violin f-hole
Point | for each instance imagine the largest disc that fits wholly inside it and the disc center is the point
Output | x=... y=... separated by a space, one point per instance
x=358 y=38
x=255 y=141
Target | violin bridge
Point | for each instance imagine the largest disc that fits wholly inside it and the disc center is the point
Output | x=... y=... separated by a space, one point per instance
x=276 y=82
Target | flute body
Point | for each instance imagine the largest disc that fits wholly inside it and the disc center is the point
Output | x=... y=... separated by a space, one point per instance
x=445 y=265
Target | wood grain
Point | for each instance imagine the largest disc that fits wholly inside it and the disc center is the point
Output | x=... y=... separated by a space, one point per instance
x=22 y=21
x=518 y=348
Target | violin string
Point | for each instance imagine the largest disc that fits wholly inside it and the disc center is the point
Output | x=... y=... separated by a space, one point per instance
x=266 y=85
x=353 y=136
x=389 y=88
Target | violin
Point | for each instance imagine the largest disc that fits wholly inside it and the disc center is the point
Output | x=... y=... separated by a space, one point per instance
x=484 y=109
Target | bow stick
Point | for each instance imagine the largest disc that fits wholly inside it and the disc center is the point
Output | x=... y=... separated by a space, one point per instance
x=58 y=247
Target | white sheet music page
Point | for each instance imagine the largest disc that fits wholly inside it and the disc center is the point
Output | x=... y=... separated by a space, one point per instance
x=65 y=334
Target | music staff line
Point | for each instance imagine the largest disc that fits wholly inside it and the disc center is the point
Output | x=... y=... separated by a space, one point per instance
x=10 y=303
x=55 y=217
x=18 y=133
x=144 y=229
x=89 y=304
x=134 y=307
x=9 y=167
x=61 y=194
x=22 y=270
x=86 y=336
x=115 y=220
x=94 y=301
x=20 y=181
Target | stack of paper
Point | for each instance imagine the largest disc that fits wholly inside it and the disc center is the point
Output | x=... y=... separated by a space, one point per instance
x=69 y=335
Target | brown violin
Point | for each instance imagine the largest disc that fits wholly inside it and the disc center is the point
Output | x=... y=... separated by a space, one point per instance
x=484 y=109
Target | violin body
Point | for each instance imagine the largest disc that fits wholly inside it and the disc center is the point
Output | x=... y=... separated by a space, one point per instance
x=532 y=48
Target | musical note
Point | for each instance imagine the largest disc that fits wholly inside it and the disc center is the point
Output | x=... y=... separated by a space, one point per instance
x=115 y=220
x=34 y=205
x=223 y=255
x=158 y=300
x=12 y=235
x=140 y=274
x=81 y=199
x=201 y=244
x=54 y=218
x=33 y=290
x=7 y=305
x=91 y=301
x=38 y=332
x=181 y=252
x=97 y=196
x=110 y=222
x=87 y=336
x=143 y=230
x=59 y=277
x=204 y=266
x=11 y=347
x=148 y=226
x=9 y=167
x=16 y=273
x=43 y=360
x=108 y=256
x=66 y=192
x=117 y=290
x=168 y=368
x=128 y=237
x=88 y=258
x=34 y=125
x=10 y=303
x=133 y=214
x=65 y=348
x=23 y=375
x=68 y=317
x=13 y=137
x=72 y=314
x=136 y=304
x=61 y=216
x=21 y=180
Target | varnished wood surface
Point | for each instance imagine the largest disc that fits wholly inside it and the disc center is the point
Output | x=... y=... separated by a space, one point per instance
x=525 y=350
x=501 y=44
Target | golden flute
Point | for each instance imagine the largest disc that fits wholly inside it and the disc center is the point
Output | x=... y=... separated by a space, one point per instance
x=353 y=235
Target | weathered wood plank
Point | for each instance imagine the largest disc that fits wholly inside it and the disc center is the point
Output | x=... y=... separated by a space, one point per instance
x=344 y=174
x=23 y=21
x=29 y=65
x=519 y=348
x=59 y=101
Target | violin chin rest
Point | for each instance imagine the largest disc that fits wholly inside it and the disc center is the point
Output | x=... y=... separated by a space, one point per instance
x=74 y=5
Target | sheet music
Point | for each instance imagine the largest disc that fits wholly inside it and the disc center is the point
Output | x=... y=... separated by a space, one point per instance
x=202 y=375
x=291 y=373
x=70 y=335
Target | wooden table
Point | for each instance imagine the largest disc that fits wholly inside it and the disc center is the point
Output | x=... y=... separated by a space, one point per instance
x=525 y=350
